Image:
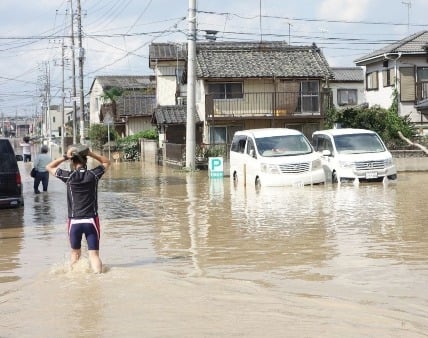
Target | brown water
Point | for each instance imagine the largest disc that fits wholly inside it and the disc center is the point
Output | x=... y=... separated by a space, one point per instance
x=186 y=256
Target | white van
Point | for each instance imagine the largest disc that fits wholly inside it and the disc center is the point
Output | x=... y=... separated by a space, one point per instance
x=350 y=154
x=274 y=157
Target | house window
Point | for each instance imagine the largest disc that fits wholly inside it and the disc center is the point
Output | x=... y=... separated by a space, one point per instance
x=347 y=97
x=372 y=81
x=53 y=119
x=223 y=134
x=218 y=135
x=309 y=96
x=388 y=77
x=226 y=90
x=422 y=78
x=407 y=84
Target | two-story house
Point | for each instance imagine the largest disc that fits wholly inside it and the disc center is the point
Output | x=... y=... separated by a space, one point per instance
x=241 y=85
x=56 y=119
x=347 y=87
x=131 y=110
x=403 y=66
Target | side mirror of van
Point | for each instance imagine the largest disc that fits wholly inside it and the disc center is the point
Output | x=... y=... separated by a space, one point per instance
x=326 y=152
x=252 y=153
x=19 y=158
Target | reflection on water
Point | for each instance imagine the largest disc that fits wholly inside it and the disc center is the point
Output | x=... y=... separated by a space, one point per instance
x=211 y=258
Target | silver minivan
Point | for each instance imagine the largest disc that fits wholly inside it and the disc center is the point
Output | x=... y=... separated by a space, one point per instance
x=349 y=154
x=274 y=157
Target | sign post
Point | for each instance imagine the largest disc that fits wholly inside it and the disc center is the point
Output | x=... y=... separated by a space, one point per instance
x=108 y=120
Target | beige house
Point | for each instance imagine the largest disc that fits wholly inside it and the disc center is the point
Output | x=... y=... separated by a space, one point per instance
x=56 y=119
x=131 y=111
x=240 y=85
x=403 y=66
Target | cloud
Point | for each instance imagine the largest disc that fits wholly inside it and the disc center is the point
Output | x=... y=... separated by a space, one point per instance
x=343 y=9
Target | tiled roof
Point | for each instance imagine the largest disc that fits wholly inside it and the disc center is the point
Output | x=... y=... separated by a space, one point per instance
x=414 y=44
x=255 y=60
x=248 y=59
x=126 y=82
x=166 y=51
x=136 y=105
x=172 y=115
x=347 y=74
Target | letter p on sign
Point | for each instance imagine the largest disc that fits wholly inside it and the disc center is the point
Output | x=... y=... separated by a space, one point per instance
x=215 y=167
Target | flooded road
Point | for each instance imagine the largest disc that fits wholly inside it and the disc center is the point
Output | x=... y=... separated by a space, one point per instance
x=186 y=256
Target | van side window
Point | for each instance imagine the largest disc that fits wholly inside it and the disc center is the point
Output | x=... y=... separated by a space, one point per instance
x=251 y=149
x=238 y=144
x=323 y=143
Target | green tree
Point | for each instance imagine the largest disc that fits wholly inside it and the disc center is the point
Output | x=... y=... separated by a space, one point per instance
x=98 y=134
x=130 y=145
x=110 y=96
x=386 y=122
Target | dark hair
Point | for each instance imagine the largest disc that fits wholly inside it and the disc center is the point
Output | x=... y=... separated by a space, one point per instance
x=78 y=159
x=26 y=139
x=44 y=149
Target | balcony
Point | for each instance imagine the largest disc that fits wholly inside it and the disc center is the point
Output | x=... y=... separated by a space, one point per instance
x=262 y=105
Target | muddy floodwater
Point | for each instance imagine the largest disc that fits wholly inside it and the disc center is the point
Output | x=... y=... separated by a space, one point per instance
x=186 y=256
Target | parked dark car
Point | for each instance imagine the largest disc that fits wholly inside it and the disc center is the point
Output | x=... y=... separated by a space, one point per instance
x=10 y=177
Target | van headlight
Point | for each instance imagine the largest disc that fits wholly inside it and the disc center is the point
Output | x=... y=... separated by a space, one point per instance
x=388 y=162
x=347 y=164
x=316 y=164
x=269 y=168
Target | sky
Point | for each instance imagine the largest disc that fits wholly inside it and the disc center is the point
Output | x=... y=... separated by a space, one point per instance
x=116 y=35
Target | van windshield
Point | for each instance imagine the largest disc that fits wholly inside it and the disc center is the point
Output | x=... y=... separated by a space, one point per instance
x=358 y=143
x=283 y=145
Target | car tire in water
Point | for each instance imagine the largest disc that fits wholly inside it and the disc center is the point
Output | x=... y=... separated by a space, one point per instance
x=334 y=177
x=258 y=183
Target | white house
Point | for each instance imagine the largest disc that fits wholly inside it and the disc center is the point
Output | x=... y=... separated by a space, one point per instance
x=56 y=119
x=403 y=66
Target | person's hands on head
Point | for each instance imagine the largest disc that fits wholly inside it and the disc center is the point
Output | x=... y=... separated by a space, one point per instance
x=71 y=151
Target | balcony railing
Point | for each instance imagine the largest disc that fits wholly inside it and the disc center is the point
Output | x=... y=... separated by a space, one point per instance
x=281 y=104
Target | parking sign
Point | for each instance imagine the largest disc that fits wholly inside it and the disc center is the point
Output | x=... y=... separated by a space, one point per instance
x=215 y=167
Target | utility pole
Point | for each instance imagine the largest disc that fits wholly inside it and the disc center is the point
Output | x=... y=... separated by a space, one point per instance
x=62 y=99
x=81 y=58
x=47 y=114
x=73 y=67
x=191 y=87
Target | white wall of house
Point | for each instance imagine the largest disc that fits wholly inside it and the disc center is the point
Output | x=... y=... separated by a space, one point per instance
x=359 y=87
x=56 y=119
x=166 y=82
x=383 y=96
x=95 y=104
x=137 y=124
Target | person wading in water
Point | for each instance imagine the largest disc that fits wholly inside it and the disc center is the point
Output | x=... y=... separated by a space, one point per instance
x=82 y=200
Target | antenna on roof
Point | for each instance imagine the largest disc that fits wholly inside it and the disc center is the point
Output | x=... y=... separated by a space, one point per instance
x=211 y=35
x=260 y=20
x=409 y=5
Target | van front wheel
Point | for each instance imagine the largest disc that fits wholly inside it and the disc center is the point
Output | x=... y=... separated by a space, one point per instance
x=258 y=184
x=334 y=177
